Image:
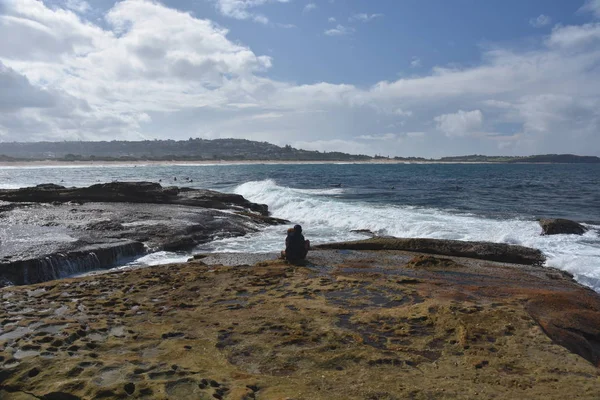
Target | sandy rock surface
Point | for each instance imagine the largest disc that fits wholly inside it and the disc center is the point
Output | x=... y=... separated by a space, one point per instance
x=347 y=325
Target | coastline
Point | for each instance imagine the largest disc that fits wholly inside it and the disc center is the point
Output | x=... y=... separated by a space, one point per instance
x=74 y=164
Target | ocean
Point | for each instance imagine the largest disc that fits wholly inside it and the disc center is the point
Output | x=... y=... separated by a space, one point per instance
x=483 y=202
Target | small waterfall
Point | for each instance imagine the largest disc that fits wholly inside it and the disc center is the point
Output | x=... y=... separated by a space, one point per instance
x=60 y=265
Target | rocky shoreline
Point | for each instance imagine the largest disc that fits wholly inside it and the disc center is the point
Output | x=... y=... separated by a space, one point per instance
x=350 y=324
x=382 y=318
x=52 y=231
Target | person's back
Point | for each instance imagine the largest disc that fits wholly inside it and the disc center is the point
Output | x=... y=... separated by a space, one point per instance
x=296 y=247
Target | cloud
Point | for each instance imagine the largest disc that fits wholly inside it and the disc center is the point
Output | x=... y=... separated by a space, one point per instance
x=403 y=113
x=147 y=71
x=540 y=21
x=331 y=20
x=309 y=7
x=592 y=6
x=79 y=6
x=415 y=62
x=154 y=59
x=362 y=17
x=461 y=123
x=339 y=30
x=381 y=136
x=17 y=92
x=575 y=35
x=242 y=9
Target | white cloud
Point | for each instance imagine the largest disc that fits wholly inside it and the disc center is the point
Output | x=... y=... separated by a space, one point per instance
x=363 y=17
x=540 y=21
x=575 y=35
x=242 y=9
x=339 y=30
x=592 y=6
x=309 y=7
x=403 y=113
x=461 y=123
x=331 y=20
x=149 y=71
x=415 y=62
x=79 y=6
x=381 y=136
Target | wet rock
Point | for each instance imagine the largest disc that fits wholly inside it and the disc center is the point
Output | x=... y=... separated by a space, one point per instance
x=367 y=232
x=60 y=264
x=116 y=221
x=480 y=250
x=556 y=226
x=132 y=192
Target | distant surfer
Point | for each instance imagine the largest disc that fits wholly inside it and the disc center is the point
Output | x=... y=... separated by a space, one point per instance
x=296 y=247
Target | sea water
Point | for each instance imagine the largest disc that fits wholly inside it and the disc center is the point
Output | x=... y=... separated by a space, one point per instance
x=484 y=202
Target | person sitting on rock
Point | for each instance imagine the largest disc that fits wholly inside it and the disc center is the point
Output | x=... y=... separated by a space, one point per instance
x=296 y=247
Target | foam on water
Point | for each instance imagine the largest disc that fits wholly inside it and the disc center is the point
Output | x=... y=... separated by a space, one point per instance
x=329 y=214
x=327 y=219
x=160 y=257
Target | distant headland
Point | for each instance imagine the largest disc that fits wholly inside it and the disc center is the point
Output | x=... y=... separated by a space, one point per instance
x=241 y=150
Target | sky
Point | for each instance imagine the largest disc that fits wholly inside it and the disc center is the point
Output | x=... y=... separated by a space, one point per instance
x=427 y=78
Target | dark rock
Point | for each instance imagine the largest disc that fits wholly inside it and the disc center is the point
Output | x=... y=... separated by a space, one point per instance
x=367 y=232
x=105 y=226
x=115 y=221
x=59 y=396
x=170 y=335
x=60 y=265
x=570 y=319
x=556 y=226
x=49 y=186
x=179 y=244
x=481 y=250
x=129 y=388
x=132 y=192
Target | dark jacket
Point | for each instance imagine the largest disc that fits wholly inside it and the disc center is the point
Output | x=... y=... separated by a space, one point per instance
x=295 y=248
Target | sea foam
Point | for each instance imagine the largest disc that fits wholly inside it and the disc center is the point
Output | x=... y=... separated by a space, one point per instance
x=327 y=218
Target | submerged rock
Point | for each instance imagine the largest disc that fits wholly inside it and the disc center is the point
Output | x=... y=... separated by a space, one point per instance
x=556 y=226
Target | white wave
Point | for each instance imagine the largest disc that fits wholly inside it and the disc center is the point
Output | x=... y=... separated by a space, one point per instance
x=327 y=219
x=159 y=258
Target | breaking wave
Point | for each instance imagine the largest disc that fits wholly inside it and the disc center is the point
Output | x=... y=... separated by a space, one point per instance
x=326 y=216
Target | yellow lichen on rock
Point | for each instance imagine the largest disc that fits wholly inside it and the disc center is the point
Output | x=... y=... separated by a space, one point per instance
x=279 y=331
